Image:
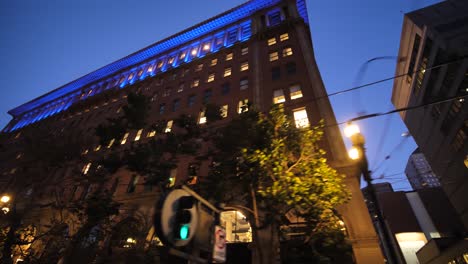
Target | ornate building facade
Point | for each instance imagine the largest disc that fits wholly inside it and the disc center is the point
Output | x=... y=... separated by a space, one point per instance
x=258 y=53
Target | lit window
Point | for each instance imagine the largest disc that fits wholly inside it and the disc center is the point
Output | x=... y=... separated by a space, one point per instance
x=284 y=37
x=271 y=41
x=194 y=51
x=244 y=51
x=140 y=73
x=168 y=126
x=98 y=147
x=273 y=56
x=111 y=143
x=244 y=66
x=227 y=72
x=202 y=117
x=160 y=64
x=172 y=178
x=224 y=111
x=211 y=77
x=85 y=152
x=214 y=62
x=124 y=139
x=206 y=47
x=171 y=60
x=181 y=88
x=86 y=168
x=244 y=83
x=152 y=133
x=133 y=183
x=295 y=91
x=243 y=106
x=229 y=56
x=195 y=83
x=182 y=55
x=199 y=67
x=17 y=135
x=129 y=78
x=138 y=135
x=19 y=155
x=278 y=96
x=287 y=52
x=300 y=118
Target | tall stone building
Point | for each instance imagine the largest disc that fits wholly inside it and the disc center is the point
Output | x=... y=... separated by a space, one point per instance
x=258 y=53
x=432 y=54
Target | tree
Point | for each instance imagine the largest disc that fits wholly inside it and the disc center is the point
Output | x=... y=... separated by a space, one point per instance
x=283 y=170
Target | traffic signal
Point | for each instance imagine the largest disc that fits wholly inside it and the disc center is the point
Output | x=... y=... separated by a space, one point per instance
x=183 y=217
x=176 y=218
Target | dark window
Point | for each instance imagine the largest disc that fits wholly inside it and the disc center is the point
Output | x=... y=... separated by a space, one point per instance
x=206 y=96
x=175 y=105
x=455 y=108
x=162 y=108
x=291 y=68
x=231 y=36
x=274 y=18
x=275 y=73
x=148 y=187
x=244 y=83
x=191 y=100
x=225 y=88
x=414 y=55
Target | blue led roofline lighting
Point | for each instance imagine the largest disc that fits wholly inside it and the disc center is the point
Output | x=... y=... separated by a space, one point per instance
x=222 y=20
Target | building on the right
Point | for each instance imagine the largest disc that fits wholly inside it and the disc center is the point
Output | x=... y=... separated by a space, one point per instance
x=419 y=172
x=433 y=63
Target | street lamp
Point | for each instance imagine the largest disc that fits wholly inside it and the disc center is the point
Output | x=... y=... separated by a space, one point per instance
x=5 y=199
x=4 y=203
x=358 y=153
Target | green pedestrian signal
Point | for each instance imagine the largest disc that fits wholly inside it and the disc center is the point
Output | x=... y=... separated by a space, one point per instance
x=184 y=231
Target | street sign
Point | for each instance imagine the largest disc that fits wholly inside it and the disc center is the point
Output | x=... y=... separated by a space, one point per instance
x=219 y=247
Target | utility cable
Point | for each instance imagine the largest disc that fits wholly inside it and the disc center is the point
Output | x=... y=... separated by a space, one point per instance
x=388 y=79
x=457 y=97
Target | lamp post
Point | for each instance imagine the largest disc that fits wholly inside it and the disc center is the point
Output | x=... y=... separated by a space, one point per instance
x=8 y=206
x=358 y=153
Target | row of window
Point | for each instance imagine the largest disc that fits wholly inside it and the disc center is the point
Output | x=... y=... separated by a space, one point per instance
x=286 y=52
x=300 y=119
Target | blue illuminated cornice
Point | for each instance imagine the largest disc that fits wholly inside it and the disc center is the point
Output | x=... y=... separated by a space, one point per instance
x=73 y=88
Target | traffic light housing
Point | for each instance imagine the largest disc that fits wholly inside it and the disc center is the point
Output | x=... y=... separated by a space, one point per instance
x=176 y=218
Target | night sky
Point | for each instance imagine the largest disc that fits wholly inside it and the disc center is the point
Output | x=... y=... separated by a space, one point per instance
x=46 y=44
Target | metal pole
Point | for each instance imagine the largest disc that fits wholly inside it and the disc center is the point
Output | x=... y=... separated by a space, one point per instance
x=387 y=241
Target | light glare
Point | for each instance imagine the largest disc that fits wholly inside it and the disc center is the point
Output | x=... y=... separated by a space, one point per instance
x=354 y=153
x=351 y=129
x=5 y=199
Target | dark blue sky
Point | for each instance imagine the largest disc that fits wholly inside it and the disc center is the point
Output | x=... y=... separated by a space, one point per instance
x=45 y=44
